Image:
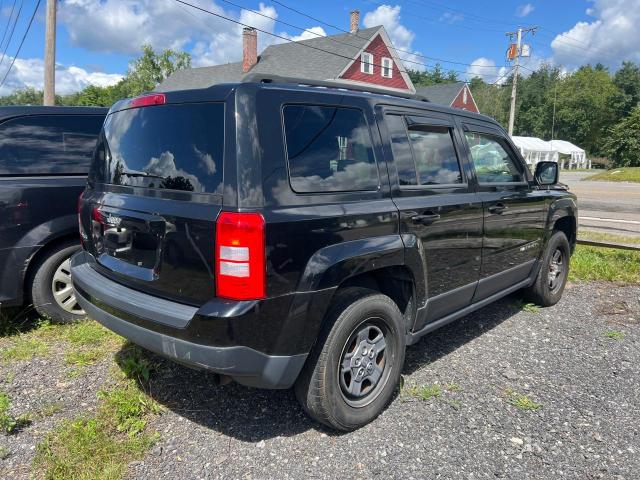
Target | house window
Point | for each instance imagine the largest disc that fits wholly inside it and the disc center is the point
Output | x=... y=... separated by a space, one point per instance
x=366 y=63
x=387 y=67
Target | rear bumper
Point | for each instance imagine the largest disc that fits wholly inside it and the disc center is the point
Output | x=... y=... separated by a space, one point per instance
x=125 y=311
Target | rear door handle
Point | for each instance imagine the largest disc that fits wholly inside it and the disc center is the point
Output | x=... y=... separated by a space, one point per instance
x=425 y=219
x=498 y=208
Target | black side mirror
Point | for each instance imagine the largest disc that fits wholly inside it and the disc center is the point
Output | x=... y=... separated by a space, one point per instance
x=547 y=173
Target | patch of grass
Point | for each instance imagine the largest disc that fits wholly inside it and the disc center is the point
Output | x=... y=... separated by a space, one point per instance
x=23 y=347
x=595 y=263
x=423 y=392
x=522 y=402
x=4 y=452
x=608 y=237
x=49 y=409
x=615 y=334
x=101 y=446
x=82 y=358
x=134 y=364
x=452 y=387
x=8 y=423
x=90 y=342
x=531 y=307
x=625 y=174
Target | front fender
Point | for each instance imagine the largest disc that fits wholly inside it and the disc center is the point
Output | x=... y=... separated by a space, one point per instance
x=560 y=208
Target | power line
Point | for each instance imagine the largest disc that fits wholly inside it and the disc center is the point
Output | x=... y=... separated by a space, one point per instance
x=33 y=15
x=315 y=19
x=6 y=28
x=560 y=37
x=13 y=29
x=218 y=15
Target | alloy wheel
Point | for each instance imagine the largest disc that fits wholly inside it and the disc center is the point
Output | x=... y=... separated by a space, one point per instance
x=62 y=289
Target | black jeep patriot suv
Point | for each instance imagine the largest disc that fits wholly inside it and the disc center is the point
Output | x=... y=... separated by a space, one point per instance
x=285 y=235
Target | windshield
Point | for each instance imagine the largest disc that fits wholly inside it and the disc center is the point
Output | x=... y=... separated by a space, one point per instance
x=176 y=147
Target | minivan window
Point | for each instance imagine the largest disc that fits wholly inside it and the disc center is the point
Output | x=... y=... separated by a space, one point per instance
x=329 y=149
x=435 y=155
x=175 y=147
x=491 y=160
x=48 y=144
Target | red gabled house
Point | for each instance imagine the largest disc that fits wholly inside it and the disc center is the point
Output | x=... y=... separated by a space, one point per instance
x=362 y=56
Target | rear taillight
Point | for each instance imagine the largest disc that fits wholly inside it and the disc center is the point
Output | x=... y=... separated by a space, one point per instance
x=148 y=100
x=81 y=230
x=240 y=257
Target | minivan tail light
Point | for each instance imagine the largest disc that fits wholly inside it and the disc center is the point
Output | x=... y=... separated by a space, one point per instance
x=240 y=256
x=80 y=229
x=148 y=100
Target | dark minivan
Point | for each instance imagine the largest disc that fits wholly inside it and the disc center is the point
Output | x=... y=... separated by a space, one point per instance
x=284 y=234
x=44 y=159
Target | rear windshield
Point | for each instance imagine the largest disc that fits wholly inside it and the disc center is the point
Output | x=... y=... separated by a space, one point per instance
x=48 y=144
x=175 y=147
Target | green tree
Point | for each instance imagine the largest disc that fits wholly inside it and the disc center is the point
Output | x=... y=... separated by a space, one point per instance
x=627 y=79
x=152 y=68
x=24 y=96
x=425 y=78
x=584 y=108
x=623 y=141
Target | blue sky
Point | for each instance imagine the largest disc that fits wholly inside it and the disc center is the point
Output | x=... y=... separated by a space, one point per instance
x=98 y=38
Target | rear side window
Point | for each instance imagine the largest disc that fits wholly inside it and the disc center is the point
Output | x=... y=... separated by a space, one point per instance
x=48 y=144
x=436 y=159
x=491 y=160
x=329 y=149
x=174 y=147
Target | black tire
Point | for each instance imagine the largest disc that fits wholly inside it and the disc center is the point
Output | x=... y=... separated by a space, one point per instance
x=547 y=290
x=357 y=315
x=42 y=285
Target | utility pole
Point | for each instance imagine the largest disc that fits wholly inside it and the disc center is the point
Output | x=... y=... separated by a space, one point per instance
x=50 y=55
x=516 y=70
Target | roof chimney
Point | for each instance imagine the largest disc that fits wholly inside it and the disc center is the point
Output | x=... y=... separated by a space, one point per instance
x=249 y=48
x=354 y=23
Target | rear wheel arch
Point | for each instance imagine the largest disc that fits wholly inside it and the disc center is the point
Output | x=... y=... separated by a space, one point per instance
x=36 y=259
x=396 y=282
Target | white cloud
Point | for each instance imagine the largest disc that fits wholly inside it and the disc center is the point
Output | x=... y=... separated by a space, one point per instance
x=450 y=18
x=613 y=36
x=524 y=10
x=69 y=79
x=487 y=70
x=310 y=33
x=400 y=36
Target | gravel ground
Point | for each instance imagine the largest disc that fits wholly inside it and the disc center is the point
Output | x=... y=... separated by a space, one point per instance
x=587 y=428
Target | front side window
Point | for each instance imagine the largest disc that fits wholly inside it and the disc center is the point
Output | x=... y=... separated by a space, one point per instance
x=435 y=155
x=387 y=67
x=48 y=144
x=366 y=63
x=329 y=149
x=492 y=162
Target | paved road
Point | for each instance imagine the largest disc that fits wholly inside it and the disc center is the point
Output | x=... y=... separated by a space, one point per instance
x=613 y=207
x=587 y=426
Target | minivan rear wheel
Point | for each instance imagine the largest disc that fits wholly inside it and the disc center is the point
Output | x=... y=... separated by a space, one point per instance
x=352 y=373
x=52 y=292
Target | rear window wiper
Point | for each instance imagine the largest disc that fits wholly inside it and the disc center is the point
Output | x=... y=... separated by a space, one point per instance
x=133 y=173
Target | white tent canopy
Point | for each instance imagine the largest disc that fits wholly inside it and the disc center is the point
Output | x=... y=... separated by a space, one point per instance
x=578 y=155
x=535 y=150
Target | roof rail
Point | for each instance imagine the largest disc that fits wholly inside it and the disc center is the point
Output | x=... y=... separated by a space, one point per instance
x=262 y=78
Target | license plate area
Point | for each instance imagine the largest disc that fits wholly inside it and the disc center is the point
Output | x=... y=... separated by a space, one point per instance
x=129 y=243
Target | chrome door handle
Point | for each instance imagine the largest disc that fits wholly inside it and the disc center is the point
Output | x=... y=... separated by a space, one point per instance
x=425 y=219
x=498 y=208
